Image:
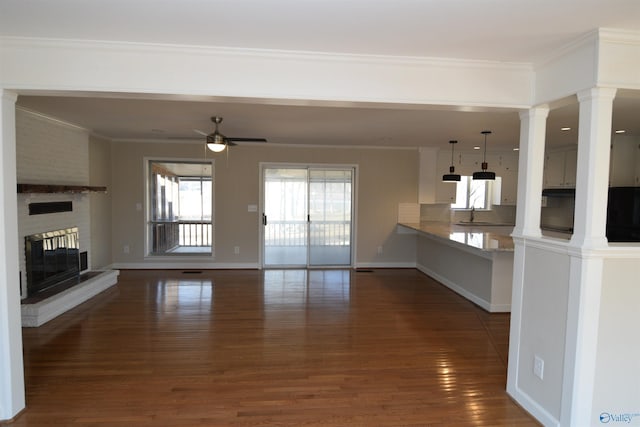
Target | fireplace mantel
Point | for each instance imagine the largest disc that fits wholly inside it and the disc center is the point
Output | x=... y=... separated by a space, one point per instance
x=52 y=188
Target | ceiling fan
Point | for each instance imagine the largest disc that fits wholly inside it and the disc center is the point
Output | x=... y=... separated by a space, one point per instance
x=217 y=142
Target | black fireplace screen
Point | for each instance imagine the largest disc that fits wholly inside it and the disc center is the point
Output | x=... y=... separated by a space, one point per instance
x=51 y=257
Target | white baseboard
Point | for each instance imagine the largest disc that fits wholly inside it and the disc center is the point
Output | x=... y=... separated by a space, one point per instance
x=533 y=408
x=234 y=266
x=177 y=265
x=37 y=314
x=456 y=288
x=385 y=265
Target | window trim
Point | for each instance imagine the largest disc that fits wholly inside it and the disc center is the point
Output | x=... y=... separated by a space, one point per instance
x=147 y=217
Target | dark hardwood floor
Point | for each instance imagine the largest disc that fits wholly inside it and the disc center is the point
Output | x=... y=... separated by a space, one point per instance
x=271 y=348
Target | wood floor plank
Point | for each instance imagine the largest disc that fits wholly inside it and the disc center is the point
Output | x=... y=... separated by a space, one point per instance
x=271 y=348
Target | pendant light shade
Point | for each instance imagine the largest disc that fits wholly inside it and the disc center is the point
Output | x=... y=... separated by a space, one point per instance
x=451 y=176
x=484 y=173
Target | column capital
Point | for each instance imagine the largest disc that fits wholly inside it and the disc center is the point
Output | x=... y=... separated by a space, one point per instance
x=8 y=95
x=597 y=92
x=541 y=111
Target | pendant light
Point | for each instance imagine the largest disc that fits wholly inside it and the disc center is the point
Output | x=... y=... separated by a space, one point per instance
x=451 y=176
x=484 y=173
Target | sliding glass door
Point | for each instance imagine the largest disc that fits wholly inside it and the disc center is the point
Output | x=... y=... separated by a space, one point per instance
x=330 y=201
x=285 y=217
x=307 y=216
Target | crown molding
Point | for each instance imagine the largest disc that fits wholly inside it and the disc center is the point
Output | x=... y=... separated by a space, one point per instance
x=52 y=120
x=611 y=35
x=33 y=42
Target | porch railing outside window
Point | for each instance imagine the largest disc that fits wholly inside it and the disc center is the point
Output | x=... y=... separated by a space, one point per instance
x=169 y=236
x=293 y=233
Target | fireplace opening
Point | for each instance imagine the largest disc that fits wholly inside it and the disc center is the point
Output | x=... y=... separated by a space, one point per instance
x=51 y=258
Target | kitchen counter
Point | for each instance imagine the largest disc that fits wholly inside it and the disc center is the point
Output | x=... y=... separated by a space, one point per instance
x=484 y=237
x=474 y=260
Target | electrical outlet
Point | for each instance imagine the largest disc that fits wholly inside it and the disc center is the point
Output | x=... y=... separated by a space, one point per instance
x=236 y=250
x=379 y=250
x=125 y=249
x=538 y=366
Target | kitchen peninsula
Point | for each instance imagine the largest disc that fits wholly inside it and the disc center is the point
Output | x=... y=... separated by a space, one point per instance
x=474 y=260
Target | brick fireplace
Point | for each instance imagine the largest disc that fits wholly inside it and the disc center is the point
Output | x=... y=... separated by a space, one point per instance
x=53 y=159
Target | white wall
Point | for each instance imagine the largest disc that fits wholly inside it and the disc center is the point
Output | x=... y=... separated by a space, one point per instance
x=49 y=152
x=543 y=333
x=100 y=176
x=617 y=384
x=386 y=177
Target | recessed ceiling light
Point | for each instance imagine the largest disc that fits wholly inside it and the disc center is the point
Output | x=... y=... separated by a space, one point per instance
x=564 y=129
x=620 y=131
x=476 y=147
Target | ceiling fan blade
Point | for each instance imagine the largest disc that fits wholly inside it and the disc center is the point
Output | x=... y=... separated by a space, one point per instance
x=246 y=139
x=200 y=132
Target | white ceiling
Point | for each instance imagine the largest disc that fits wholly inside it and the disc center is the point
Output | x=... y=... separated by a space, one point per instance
x=499 y=30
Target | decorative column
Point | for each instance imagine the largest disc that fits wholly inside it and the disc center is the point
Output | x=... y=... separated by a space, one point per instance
x=592 y=176
x=533 y=125
x=587 y=248
x=12 y=397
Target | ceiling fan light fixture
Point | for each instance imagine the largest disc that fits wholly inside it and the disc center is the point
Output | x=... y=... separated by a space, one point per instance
x=484 y=174
x=216 y=147
x=216 y=141
x=451 y=176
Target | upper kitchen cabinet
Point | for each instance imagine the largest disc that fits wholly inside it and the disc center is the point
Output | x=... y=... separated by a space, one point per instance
x=560 y=168
x=446 y=191
x=505 y=165
x=433 y=164
x=624 y=169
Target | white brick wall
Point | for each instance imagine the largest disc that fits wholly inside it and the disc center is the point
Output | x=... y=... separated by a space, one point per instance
x=50 y=152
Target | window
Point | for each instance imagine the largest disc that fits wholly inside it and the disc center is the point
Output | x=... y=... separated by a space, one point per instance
x=180 y=208
x=472 y=193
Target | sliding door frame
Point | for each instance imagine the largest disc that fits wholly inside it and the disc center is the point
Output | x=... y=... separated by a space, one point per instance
x=309 y=166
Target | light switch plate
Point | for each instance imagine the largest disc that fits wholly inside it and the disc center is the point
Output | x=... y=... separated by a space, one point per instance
x=538 y=366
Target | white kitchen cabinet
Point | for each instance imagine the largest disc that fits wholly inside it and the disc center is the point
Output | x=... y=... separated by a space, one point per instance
x=509 y=191
x=469 y=162
x=624 y=168
x=445 y=192
x=505 y=165
x=560 y=168
x=435 y=163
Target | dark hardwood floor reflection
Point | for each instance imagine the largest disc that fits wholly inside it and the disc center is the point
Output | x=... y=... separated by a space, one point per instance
x=271 y=348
